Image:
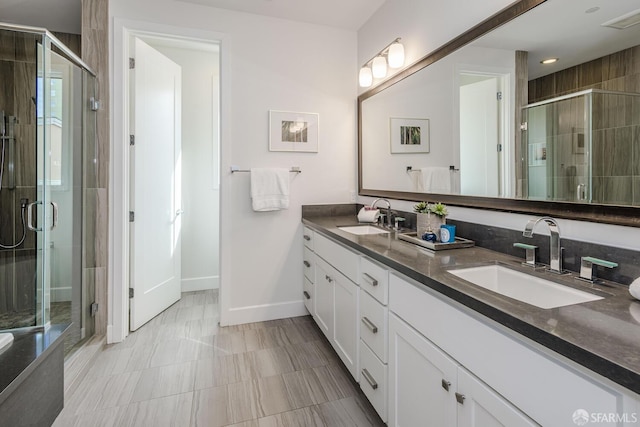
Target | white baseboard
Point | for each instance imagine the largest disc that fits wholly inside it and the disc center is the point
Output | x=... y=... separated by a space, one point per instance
x=262 y=313
x=200 y=283
x=60 y=294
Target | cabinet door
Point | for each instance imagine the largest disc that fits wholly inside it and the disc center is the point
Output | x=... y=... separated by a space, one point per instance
x=346 y=328
x=422 y=380
x=324 y=299
x=481 y=406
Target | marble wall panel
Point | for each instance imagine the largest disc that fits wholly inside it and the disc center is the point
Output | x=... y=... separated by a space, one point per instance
x=6 y=283
x=7 y=45
x=25 y=276
x=24 y=92
x=6 y=86
x=95 y=52
x=26 y=47
x=25 y=152
x=617 y=152
x=7 y=218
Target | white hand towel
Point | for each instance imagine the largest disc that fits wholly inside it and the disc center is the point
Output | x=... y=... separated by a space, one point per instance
x=269 y=189
x=436 y=180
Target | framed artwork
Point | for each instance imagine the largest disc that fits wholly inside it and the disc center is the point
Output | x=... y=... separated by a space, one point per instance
x=409 y=135
x=291 y=131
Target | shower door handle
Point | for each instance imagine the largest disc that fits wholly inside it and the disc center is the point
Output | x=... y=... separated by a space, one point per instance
x=54 y=212
x=30 y=207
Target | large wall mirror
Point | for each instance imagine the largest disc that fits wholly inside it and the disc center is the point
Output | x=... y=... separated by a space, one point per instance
x=483 y=121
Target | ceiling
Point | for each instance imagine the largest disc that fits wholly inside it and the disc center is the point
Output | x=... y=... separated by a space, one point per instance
x=570 y=30
x=65 y=15
x=345 y=14
x=54 y=15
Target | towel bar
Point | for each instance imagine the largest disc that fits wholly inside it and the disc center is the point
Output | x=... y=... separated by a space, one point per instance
x=294 y=169
x=451 y=168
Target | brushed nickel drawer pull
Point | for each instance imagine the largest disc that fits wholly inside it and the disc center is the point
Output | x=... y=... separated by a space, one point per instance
x=329 y=279
x=306 y=294
x=367 y=376
x=369 y=324
x=446 y=384
x=372 y=281
x=307 y=237
x=307 y=263
x=460 y=398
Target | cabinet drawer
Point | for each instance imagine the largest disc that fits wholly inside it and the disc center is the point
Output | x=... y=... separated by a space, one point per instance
x=307 y=237
x=308 y=295
x=373 y=380
x=309 y=264
x=343 y=259
x=375 y=280
x=373 y=325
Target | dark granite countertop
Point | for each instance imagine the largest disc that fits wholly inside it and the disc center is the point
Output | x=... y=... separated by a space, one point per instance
x=27 y=351
x=603 y=335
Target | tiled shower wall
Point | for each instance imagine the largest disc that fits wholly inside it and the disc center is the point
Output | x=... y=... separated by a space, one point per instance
x=95 y=53
x=616 y=124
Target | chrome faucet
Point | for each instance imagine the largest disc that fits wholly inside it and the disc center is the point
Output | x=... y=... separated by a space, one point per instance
x=555 y=251
x=388 y=214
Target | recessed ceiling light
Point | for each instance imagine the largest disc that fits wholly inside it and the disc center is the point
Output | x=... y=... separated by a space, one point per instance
x=592 y=9
x=549 y=61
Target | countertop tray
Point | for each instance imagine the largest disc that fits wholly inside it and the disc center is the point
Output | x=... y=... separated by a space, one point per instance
x=438 y=246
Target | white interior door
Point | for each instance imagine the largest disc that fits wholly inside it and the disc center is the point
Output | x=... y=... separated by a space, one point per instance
x=479 y=138
x=155 y=184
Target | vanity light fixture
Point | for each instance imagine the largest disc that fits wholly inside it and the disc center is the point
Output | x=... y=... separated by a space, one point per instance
x=549 y=61
x=392 y=56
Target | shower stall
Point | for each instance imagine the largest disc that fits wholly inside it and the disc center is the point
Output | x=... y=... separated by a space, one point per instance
x=584 y=147
x=47 y=135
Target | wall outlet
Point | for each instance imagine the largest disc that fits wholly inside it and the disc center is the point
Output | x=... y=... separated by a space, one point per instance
x=352 y=195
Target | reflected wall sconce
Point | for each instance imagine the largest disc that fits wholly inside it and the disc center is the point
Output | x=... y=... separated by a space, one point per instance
x=391 y=56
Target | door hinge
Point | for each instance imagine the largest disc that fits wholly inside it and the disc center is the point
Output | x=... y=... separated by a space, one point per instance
x=93 y=309
x=499 y=148
x=132 y=216
x=499 y=96
x=130 y=292
x=132 y=63
x=132 y=140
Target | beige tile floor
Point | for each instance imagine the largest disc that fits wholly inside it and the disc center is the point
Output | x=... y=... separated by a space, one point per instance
x=181 y=369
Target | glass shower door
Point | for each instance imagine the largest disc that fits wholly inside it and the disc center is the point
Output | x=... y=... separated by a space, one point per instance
x=558 y=149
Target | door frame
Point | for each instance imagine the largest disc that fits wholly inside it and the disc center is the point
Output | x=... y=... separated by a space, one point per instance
x=119 y=184
x=506 y=116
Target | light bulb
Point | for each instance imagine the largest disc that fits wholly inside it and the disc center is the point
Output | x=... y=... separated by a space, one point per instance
x=396 y=55
x=379 y=67
x=365 y=77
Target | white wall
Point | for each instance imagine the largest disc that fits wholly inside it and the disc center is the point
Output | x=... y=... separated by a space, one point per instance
x=200 y=171
x=281 y=65
x=427 y=24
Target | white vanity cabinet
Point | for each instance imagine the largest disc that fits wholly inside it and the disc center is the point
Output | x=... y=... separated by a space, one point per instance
x=337 y=298
x=427 y=384
x=500 y=373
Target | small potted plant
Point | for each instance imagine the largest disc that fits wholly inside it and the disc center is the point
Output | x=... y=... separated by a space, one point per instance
x=429 y=217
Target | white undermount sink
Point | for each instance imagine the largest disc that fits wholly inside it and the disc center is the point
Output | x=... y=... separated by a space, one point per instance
x=523 y=287
x=363 y=229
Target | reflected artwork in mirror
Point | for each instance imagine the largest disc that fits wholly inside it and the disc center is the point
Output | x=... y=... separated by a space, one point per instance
x=508 y=131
